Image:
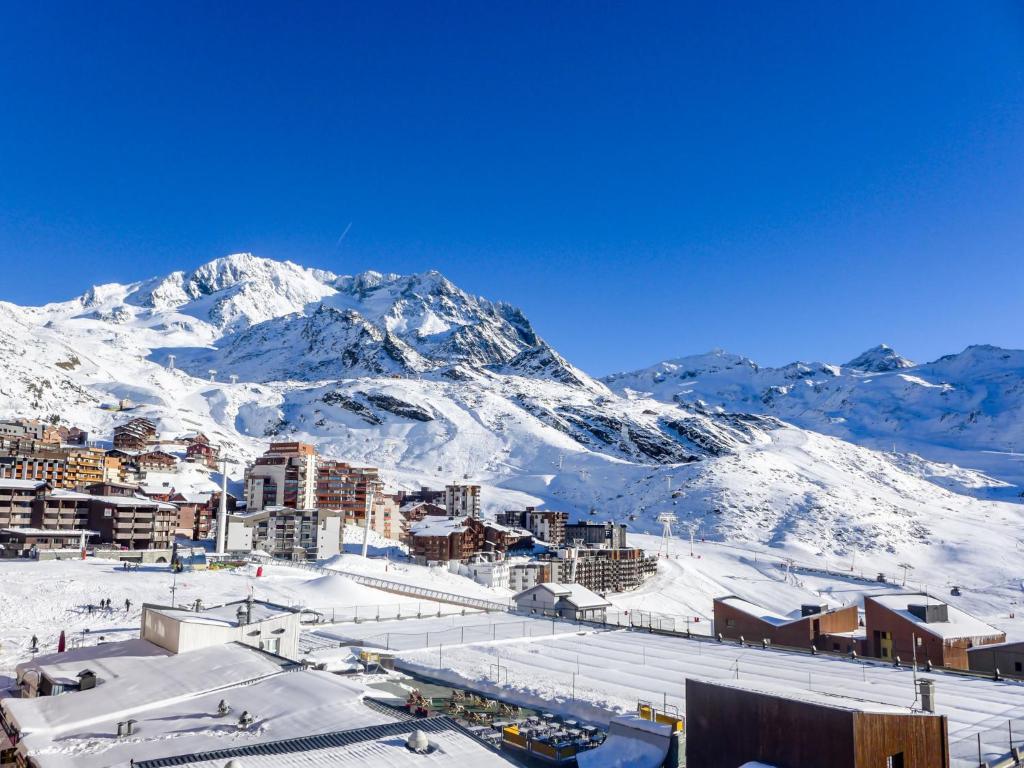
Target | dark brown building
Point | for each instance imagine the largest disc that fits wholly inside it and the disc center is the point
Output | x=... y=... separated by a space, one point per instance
x=1006 y=658
x=134 y=435
x=157 y=461
x=201 y=452
x=835 y=629
x=915 y=624
x=731 y=724
x=440 y=539
x=16 y=498
x=122 y=519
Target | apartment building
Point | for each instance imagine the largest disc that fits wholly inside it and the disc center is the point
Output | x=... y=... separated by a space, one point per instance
x=16 y=497
x=441 y=539
x=603 y=569
x=612 y=535
x=114 y=512
x=462 y=500
x=134 y=435
x=284 y=476
x=157 y=461
x=546 y=525
x=348 y=489
x=283 y=532
x=45 y=465
x=83 y=466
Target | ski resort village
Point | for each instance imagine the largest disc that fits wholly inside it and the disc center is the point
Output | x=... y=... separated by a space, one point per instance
x=256 y=514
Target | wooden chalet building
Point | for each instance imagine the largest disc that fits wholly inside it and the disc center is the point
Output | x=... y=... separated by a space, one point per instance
x=199 y=450
x=733 y=723
x=905 y=624
x=156 y=461
x=835 y=629
x=134 y=435
x=440 y=539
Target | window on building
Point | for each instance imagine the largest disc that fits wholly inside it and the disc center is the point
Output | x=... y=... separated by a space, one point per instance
x=730 y=622
x=894 y=761
x=1018 y=667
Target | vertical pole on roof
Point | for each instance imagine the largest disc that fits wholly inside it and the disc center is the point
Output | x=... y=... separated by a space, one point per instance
x=222 y=509
x=980 y=763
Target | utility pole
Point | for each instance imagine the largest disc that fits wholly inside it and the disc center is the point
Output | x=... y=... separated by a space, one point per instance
x=222 y=509
x=369 y=514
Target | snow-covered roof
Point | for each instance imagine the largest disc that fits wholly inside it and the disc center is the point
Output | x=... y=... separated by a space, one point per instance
x=20 y=485
x=225 y=615
x=581 y=597
x=158 y=680
x=284 y=706
x=575 y=594
x=434 y=525
x=818 y=698
x=69 y=533
x=108 y=660
x=60 y=493
x=381 y=746
x=757 y=611
x=133 y=501
x=960 y=624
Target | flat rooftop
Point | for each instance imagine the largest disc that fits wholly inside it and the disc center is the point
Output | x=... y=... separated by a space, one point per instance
x=224 y=615
x=156 y=680
x=289 y=705
x=960 y=624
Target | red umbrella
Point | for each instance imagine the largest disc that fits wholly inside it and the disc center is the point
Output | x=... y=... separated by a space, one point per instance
x=61 y=644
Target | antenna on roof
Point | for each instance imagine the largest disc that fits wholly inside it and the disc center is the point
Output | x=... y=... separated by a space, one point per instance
x=213 y=374
x=234 y=378
x=170 y=362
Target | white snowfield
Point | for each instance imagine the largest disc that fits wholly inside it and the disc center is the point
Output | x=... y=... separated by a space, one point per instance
x=44 y=598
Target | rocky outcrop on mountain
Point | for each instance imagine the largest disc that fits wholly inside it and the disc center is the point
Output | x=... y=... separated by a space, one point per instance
x=880 y=359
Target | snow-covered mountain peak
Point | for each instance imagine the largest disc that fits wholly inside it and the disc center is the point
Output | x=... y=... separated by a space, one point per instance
x=236 y=291
x=880 y=359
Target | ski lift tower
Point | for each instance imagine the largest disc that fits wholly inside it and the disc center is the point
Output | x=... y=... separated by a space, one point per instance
x=667 y=520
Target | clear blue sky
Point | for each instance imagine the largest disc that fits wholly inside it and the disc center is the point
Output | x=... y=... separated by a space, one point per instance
x=783 y=180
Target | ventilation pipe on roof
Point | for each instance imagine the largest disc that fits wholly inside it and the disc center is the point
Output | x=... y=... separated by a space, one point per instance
x=926 y=689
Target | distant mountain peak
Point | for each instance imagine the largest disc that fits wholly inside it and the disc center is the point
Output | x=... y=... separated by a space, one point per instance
x=880 y=359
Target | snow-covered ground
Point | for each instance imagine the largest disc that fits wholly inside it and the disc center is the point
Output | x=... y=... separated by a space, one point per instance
x=45 y=598
x=596 y=674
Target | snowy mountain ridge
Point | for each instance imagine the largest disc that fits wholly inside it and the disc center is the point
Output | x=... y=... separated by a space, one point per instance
x=966 y=407
x=414 y=375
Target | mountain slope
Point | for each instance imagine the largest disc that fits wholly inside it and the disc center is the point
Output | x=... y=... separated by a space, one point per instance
x=967 y=407
x=433 y=385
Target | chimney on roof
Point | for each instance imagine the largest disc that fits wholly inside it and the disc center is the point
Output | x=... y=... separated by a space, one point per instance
x=930 y=613
x=926 y=689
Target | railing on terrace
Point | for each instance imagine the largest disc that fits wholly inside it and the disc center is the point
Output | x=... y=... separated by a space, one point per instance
x=1001 y=746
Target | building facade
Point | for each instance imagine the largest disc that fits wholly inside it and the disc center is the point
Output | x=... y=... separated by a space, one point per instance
x=462 y=500
x=284 y=476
